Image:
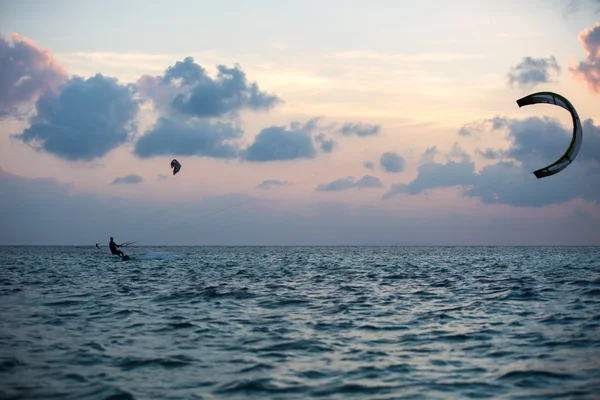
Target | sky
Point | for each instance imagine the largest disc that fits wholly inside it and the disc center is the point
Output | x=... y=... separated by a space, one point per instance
x=297 y=123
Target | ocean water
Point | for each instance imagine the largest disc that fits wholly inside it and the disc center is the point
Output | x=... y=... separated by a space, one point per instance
x=300 y=322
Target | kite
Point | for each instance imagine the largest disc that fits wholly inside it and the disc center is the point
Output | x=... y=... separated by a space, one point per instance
x=571 y=152
x=176 y=166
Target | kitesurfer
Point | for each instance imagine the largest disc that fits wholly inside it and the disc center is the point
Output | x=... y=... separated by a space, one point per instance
x=97 y=246
x=113 y=248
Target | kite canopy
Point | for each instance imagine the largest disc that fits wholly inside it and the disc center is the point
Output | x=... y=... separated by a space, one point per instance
x=176 y=166
x=573 y=149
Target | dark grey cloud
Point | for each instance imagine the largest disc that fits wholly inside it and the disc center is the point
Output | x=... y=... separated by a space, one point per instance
x=369 y=165
x=194 y=137
x=271 y=183
x=348 y=182
x=85 y=120
x=280 y=143
x=325 y=144
x=392 y=162
x=588 y=70
x=26 y=71
x=128 y=180
x=187 y=88
x=534 y=143
x=359 y=129
x=532 y=71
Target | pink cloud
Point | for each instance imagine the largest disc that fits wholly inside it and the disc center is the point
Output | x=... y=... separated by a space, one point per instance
x=27 y=71
x=588 y=70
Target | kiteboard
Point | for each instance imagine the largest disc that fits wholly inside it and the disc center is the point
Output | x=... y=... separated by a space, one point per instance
x=125 y=258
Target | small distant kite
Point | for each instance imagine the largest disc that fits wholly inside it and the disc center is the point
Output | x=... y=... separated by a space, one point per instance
x=176 y=166
x=573 y=149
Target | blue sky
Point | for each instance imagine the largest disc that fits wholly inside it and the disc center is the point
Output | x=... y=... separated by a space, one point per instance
x=297 y=123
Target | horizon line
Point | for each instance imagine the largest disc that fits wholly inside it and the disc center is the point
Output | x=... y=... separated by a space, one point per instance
x=308 y=245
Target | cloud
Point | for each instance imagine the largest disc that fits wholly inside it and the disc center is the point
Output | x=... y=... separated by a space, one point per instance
x=369 y=165
x=280 y=143
x=534 y=143
x=326 y=145
x=192 y=136
x=189 y=138
x=162 y=177
x=277 y=143
x=455 y=152
x=532 y=71
x=26 y=72
x=365 y=182
x=85 y=120
x=429 y=154
x=44 y=212
x=432 y=175
x=359 y=129
x=310 y=125
x=472 y=128
x=271 y=183
x=588 y=70
x=128 y=180
x=392 y=162
x=188 y=89
x=491 y=154
x=574 y=6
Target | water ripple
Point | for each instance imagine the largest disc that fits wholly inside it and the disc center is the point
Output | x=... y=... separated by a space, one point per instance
x=297 y=323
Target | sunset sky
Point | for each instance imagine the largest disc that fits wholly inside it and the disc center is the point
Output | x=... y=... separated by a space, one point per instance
x=297 y=123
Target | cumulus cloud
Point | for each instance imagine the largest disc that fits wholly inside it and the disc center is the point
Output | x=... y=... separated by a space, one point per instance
x=358 y=129
x=369 y=165
x=534 y=143
x=532 y=71
x=327 y=145
x=128 y=180
x=392 y=162
x=280 y=143
x=187 y=88
x=588 y=70
x=189 y=138
x=348 y=182
x=26 y=72
x=84 y=120
x=271 y=183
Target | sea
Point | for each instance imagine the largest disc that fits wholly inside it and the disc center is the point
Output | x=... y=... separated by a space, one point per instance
x=300 y=323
